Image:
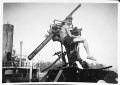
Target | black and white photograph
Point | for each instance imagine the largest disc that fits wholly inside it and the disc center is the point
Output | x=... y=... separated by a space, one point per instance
x=65 y=42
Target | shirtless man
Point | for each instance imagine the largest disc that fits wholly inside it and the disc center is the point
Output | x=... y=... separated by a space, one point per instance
x=65 y=32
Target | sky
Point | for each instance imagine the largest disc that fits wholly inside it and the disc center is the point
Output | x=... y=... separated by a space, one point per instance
x=32 y=20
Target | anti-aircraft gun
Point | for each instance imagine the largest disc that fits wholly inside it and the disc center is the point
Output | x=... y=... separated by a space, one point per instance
x=54 y=30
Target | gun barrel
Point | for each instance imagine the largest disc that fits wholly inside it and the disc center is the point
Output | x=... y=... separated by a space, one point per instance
x=73 y=11
x=40 y=46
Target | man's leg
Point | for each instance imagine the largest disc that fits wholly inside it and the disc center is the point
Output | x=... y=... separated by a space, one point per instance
x=78 y=55
x=82 y=63
x=64 y=63
x=85 y=44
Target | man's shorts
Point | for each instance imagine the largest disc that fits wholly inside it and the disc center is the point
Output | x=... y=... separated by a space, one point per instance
x=67 y=41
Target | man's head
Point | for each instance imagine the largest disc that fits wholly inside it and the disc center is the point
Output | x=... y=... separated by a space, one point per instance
x=69 y=20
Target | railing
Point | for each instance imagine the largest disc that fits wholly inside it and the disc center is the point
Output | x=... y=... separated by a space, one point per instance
x=14 y=64
x=11 y=64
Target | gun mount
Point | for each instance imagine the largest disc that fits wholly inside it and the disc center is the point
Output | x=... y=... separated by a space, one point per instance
x=75 y=74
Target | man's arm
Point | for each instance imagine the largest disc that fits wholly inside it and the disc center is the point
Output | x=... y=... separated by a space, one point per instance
x=69 y=33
